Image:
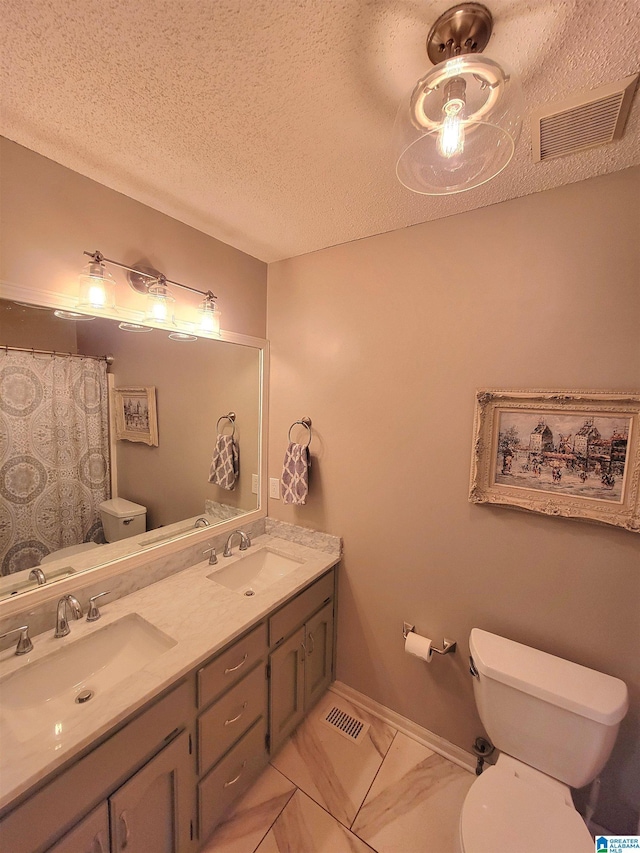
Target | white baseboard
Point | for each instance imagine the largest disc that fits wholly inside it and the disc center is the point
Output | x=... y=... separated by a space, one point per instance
x=432 y=741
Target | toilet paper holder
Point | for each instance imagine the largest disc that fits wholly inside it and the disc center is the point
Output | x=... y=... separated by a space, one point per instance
x=447 y=645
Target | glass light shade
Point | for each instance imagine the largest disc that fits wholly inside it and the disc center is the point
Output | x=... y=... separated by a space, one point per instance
x=458 y=127
x=208 y=317
x=97 y=289
x=160 y=305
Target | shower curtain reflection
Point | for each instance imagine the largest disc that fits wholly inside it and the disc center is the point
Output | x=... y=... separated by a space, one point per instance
x=54 y=455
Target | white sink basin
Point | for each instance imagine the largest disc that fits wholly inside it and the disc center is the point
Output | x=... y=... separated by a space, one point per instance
x=255 y=571
x=38 y=698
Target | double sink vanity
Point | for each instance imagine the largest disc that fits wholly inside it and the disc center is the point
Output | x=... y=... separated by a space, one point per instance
x=135 y=732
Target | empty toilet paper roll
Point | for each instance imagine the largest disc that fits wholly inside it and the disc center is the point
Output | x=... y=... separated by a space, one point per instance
x=418 y=646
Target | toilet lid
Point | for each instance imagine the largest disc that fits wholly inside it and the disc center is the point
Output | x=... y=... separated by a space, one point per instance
x=69 y=551
x=503 y=811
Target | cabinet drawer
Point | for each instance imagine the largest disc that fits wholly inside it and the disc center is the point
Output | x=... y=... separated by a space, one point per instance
x=231 y=777
x=221 y=725
x=231 y=665
x=57 y=806
x=289 y=617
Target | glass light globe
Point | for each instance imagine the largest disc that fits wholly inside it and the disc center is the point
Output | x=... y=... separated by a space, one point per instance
x=208 y=317
x=160 y=305
x=97 y=289
x=458 y=127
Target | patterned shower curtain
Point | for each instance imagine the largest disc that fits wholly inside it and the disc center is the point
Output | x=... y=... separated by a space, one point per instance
x=54 y=455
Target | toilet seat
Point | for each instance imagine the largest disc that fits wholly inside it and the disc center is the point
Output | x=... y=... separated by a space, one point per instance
x=508 y=808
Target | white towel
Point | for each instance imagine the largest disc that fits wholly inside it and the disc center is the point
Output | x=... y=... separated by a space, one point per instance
x=294 y=483
x=225 y=467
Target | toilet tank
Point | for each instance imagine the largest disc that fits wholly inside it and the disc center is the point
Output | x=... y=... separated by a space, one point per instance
x=554 y=715
x=122 y=518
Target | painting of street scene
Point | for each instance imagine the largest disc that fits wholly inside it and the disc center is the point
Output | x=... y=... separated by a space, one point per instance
x=563 y=453
x=136 y=413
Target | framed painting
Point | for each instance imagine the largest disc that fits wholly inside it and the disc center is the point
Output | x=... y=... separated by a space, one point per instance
x=135 y=414
x=563 y=453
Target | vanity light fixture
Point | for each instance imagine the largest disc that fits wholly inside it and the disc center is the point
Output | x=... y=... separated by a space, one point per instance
x=458 y=126
x=97 y=291
x=209 y=316
x=97 y=287
x=160 y=304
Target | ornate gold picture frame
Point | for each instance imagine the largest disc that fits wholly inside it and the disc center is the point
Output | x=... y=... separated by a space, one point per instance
x=571 y=454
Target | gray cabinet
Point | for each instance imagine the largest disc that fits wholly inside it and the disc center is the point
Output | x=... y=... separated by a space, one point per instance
x=91 y=835
x=301 y=664
x=231 y=725
x=152 y=811
x=64 y=810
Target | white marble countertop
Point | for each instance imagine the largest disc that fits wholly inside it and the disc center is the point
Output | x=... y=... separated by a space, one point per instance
x=200 y=615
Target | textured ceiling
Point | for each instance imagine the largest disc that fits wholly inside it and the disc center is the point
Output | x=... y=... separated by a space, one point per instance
x=268 y=124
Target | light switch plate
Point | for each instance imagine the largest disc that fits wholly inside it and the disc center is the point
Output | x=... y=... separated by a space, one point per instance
x=274 y=488
x=254 y=484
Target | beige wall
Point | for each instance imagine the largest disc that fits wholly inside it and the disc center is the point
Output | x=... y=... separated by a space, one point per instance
x=50 y=215
x=383 y=342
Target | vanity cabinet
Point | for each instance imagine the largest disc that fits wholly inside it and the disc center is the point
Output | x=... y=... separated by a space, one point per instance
x=231 y=726
x=142 y=750
x=163 y=780
x=301 y=663
x=91 y=835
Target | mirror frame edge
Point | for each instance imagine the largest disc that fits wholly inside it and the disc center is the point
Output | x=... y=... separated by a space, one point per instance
x=49 y=592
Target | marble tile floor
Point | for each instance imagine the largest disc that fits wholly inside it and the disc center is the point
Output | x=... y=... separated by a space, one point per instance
x=324 y=793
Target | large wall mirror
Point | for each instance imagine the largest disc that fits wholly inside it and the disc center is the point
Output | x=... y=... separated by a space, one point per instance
x=60 y=458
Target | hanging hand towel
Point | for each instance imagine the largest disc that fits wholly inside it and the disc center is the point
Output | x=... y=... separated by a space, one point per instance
x=225 y=467
x=294 y=483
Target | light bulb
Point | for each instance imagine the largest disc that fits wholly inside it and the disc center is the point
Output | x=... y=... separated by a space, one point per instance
x=451 y=136
x=160 y=304
x=159 y=310
x=97 y=296
x=97 y=287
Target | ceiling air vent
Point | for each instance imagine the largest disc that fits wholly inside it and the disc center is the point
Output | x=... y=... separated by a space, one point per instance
x=588 y=118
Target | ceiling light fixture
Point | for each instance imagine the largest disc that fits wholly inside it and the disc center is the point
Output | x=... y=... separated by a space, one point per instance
x=458 y=127
x=97 y=292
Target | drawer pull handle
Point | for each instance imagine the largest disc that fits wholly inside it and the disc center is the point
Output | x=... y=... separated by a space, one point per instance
x=233 y=668
x=125 y=825
x=97 y=842
x=233 y=781
x=235 y=719
x=313 y=645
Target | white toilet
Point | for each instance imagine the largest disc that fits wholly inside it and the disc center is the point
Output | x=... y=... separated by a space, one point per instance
x=122 y=518
x=555 y=723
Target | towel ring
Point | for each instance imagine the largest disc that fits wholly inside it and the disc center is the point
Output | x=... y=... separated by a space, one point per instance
x=306 y=423
x=231 y=417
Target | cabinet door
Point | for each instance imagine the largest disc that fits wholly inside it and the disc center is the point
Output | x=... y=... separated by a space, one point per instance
x=319 y=655
x=153 y=811
x=91 y=835
x=286 y=688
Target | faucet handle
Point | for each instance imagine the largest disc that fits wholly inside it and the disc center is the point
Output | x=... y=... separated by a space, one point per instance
x=24 y=640
x=93 y=614
x=245 y=542
x=213 y=558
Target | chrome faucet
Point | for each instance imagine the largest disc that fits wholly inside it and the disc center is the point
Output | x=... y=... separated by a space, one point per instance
x=37 y=575
x=202 y=522
x=245 y=542
x=62 y=625
x=24 y=641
